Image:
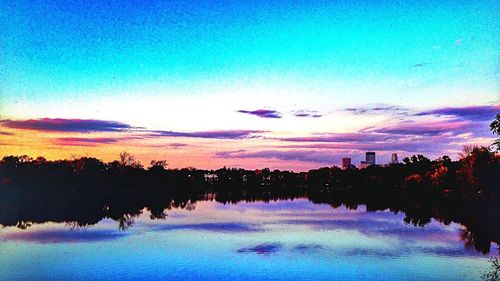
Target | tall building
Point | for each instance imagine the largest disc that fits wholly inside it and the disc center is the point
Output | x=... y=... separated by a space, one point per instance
x=346 y=163
x=394 y=158
x=370 y=158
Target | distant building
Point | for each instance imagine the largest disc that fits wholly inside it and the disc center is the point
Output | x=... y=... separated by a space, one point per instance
x=394 y=158
x=364 y=164
x=211 y=177
x=346 y=163
x=370 y=158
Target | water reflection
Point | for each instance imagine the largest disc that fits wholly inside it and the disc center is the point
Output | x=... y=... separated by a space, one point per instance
x=261 y=249
x=276 y=240
x=26 y=208
x=63 y=236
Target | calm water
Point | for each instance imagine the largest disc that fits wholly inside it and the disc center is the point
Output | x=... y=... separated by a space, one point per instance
x=284 y=240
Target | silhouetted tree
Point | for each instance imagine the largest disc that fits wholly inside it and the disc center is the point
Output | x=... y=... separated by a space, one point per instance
x=495 y=128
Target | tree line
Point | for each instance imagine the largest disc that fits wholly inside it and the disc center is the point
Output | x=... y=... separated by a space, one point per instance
x=82 y=191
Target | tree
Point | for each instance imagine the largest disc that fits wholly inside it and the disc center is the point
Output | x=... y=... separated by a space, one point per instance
x=127 y=159
x=158 y=164
x=495 y=128
x=479 y=170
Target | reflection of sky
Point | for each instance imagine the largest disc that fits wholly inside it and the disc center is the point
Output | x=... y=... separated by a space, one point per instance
x=283 y=240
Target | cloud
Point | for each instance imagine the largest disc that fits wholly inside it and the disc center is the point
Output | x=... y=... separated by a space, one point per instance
x=84 y=141
x=421 y=64
x=341 y=137
x=226 y=134
x=66 y=125
x=286 y=155
x=423 y=128
x=472 y=113
x=263 y=113
x=6 y=133
x=177 y=145
x=307 y=113
x=377 y=109
x=411 y=145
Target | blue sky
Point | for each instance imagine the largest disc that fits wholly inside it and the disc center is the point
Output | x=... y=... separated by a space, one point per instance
x=199 y=63
x=50 y=47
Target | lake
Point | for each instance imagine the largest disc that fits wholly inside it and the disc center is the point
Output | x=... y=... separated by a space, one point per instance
x=208 y=240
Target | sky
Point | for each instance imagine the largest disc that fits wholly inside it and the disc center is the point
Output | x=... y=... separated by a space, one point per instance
x=282 y=84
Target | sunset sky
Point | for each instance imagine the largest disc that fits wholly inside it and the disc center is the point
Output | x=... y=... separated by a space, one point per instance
x=280 y=84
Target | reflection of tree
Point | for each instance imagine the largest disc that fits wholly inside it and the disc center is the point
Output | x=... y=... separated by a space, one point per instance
x=493 y=273
x=81 y=192
x=473 y=241
x=126 y=221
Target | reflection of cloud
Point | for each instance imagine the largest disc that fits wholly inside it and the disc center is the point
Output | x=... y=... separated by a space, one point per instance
x=449 y=251
x=308 y=248
x=66 y=125
x=215 y=226
x=359 y=224
x=388 y=253
x=262 y=113
x=63 y=235
x=377 y=226
x=262 y=249
x=295 y=205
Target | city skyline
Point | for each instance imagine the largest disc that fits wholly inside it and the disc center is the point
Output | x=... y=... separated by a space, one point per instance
x=291 y=85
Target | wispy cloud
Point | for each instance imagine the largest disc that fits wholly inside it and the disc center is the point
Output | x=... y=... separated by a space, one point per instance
x=421 y=64
x=411 y=145
x=341 y=137
x=286 y=155
x=218 y=134
x=128 y=132
x=177 y=145
x=472 y=113
x=307 y=113
x=84 y=141
x=262 y=113
x=423 y=128
x=377 y=109
x=66 y=125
